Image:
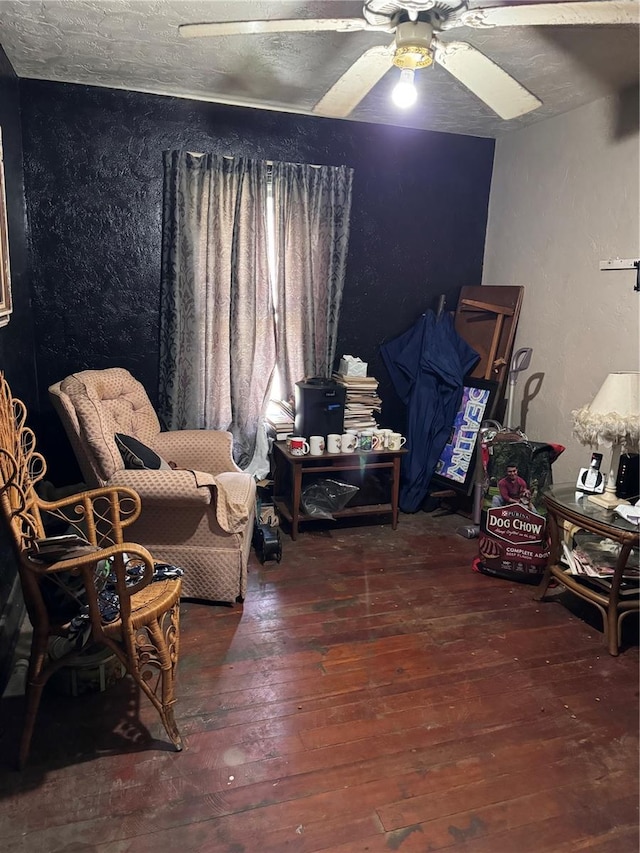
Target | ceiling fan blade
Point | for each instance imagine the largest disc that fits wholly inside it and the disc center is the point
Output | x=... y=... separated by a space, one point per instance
x=297 y=25
x=506 y=97
x=557 y=14
x=356 y=82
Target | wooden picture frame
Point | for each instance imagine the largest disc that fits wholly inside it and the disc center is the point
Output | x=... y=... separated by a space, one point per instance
x=6 y=304
x=456 y=466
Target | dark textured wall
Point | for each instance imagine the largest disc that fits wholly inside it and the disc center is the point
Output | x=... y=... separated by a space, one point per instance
x=16 y=339
x=93 y=168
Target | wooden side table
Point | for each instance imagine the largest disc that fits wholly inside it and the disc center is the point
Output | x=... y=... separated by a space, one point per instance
x=289 y=471
x=565 y=504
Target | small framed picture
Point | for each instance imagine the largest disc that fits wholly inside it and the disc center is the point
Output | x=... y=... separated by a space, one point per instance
x=456 y=466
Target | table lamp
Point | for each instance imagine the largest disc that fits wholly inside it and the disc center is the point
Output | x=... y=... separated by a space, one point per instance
x=611 y=419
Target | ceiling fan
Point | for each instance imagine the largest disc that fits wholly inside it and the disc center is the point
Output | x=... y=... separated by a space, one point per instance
x=417 y=25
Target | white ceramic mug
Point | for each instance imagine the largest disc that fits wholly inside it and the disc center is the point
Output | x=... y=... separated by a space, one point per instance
x=381 y=435
x=298 y=446
x=396 y=441
x=348 y=442
x=334 y=443
x=316 y=445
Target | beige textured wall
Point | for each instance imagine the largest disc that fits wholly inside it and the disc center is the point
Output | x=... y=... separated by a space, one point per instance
x=565 y=195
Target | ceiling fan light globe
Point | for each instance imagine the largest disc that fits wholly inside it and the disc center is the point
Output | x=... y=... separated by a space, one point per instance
x=404 y=94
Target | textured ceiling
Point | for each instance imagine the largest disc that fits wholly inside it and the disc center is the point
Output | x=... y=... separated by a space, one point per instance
x=134 y=44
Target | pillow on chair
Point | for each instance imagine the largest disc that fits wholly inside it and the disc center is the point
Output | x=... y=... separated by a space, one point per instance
x=135 y=454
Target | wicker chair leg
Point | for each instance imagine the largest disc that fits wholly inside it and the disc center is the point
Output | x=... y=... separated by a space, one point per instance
x=159 y=656
x=34 y=694
x=35 y=686
x=164 y=707
x=169 y=723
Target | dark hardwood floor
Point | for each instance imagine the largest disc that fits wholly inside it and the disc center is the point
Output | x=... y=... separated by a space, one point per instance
x=372 y=694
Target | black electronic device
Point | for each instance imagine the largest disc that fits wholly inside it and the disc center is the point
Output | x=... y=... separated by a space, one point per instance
x=266 y=541
x=319 y=405
x=628 y=478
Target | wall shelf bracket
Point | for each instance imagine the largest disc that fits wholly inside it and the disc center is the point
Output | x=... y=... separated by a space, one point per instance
x=623 y=264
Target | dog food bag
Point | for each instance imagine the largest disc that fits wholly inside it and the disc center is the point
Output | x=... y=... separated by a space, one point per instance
x=513 y=541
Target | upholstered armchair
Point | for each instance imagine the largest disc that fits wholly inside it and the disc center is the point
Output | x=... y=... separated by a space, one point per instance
x=198 y=515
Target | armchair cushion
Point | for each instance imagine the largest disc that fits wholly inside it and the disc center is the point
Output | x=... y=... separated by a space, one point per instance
x=167 y=488
x=135 y=454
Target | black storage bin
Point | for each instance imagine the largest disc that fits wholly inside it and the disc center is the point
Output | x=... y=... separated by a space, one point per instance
x=319 y=407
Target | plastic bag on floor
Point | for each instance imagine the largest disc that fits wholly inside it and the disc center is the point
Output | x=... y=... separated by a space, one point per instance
x=321 y=498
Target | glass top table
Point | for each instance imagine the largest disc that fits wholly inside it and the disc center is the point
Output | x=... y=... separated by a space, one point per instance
x=565 y=495
x=570 y=511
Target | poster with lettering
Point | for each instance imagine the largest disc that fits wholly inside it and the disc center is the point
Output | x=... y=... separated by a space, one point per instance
x=455 y=462
x=513 y=540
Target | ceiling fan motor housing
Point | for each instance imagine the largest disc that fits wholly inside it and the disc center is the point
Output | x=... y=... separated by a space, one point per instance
x=381 y=12
x=413 y=45
x=388 y=8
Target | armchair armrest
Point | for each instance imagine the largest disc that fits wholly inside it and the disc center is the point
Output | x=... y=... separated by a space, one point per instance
x=232 y=492
x=207 y=450
x=235 y=500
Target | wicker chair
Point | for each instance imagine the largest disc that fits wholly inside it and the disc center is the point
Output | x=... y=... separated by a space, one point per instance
x=199 y=517
x=145 y=634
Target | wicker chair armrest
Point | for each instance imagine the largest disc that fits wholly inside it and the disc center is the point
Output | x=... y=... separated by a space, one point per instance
x=98 y=514
x=84 y=564
x=199 y=449
x=89 y=556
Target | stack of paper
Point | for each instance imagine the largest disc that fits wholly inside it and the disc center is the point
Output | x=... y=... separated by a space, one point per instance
x=629 y=513
x=279 y=419
x=593 y=559
x=361 y=401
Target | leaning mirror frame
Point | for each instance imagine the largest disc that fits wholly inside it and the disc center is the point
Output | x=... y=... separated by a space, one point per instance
x=6 y=306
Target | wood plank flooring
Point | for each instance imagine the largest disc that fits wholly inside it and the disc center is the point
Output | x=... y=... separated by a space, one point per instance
x=373 y=694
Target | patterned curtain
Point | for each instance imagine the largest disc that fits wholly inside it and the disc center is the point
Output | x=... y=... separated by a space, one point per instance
x=220 y=337
x=217 y=339
x=312 y=205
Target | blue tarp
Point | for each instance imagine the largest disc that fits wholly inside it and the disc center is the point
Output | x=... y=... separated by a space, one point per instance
x=427 y=365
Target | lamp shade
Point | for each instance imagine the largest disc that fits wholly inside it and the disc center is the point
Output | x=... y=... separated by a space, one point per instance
x=614 y=414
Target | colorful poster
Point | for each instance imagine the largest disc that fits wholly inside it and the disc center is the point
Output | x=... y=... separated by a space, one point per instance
x=456 y=458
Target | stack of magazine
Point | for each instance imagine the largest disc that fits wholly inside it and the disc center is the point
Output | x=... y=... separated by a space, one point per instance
x=361 y=401
x=592 y=560
x=279 y=420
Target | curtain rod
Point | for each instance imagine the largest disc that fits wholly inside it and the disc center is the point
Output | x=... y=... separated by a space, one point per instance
x=268 y=162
